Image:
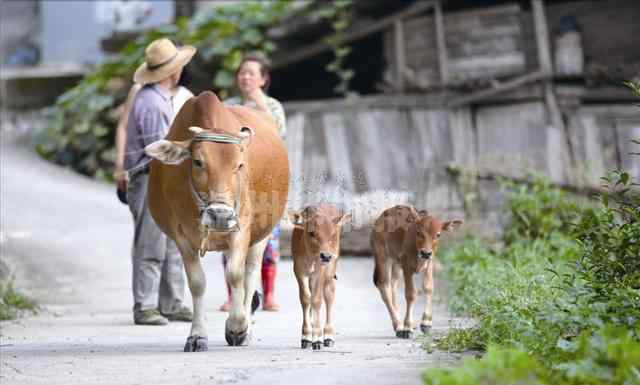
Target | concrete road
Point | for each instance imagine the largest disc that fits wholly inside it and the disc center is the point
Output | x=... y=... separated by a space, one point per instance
x=68 y=240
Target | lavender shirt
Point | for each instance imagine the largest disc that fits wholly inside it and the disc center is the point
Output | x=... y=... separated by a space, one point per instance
x=149 y=120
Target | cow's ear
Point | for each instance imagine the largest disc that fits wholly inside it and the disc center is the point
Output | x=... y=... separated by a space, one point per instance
x=342 y=218
x=296 y=218
x=246 y=134
x=169 y=152
x=451 y=225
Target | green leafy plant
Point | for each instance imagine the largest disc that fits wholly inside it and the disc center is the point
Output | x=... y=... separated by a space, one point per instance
x=339 y=16
x=12 y=302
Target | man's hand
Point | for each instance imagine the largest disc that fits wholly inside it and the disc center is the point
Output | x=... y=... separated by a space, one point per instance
x=121 y=178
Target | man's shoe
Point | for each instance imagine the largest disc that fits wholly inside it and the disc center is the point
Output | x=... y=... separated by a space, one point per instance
x=149 y=317
x=183 y=314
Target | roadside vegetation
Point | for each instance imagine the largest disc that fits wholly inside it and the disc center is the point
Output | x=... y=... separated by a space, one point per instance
x=558 y=300
x=13 y=303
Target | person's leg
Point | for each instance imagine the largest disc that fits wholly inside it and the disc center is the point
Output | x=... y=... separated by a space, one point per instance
x=147 y=255
x=172 y=285
x=269 y=268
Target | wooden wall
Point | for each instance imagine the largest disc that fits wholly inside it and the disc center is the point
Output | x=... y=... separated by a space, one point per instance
x=365 y=158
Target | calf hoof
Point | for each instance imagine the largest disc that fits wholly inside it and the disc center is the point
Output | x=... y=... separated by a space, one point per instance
x=316 y=345
x=329 y=342
x=236 y=339
x=196 y=344
x=425 y=328
x=305 y=344
x=405 y=334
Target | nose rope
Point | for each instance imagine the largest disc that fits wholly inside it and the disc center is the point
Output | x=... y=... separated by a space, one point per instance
x=202 y=203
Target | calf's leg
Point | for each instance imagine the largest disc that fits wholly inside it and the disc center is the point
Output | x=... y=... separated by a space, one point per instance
x=305 y=301
x=425 y=324
x=329 y=298
x=316 y=305
x=410 y=297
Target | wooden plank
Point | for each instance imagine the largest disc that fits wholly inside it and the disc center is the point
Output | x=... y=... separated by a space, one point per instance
x=542 y=37
x=338 y=150
x=400 y=57
x=506 y=86
x=350 y=36
x=442 y=47
x=295 y=148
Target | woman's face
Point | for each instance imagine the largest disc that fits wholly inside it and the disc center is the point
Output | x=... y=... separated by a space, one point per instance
x=250 y=77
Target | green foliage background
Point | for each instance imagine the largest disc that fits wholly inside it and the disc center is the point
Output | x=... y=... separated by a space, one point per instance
x=82 y=121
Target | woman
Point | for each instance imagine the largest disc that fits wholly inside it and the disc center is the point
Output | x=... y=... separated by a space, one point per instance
x=252 y=80
x=180 y=95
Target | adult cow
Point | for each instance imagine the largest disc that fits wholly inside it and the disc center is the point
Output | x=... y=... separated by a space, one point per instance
x=219 y=181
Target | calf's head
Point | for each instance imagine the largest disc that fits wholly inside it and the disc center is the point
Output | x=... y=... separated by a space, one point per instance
x=218 y=167
x=427 y=230
x=321 y=227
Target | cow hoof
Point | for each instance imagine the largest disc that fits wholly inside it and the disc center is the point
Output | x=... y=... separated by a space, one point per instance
x=196 y=344
x=305 y=344
x=425 y=328
x=405 y=334
x=236 y=339
x=316 y=345
x=328 y=342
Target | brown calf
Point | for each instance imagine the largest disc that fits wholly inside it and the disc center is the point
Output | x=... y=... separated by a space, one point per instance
x=315 y=247
x=405 y=239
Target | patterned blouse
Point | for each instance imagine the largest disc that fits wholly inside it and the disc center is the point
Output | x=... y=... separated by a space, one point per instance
x=275 y=110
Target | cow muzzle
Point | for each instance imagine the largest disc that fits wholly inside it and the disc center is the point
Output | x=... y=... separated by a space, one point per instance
x=219 y=217
x=425 y=254
x=325 y=258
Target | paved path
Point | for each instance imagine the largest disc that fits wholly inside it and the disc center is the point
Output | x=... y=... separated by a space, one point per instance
x=68 y=240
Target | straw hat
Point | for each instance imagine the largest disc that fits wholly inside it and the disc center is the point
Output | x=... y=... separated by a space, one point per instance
x=161 y=59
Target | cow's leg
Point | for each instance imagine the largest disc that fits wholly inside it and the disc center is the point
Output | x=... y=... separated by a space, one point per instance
x=329 y=298
x=425 y=324
x=396 y=272
x=410 y=297
x=237 y=324
x=316 y=305
x=197 y=340
x=305 y=301
x=252 y=273
x=382 y=280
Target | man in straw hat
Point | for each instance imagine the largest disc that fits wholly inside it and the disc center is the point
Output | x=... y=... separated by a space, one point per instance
x=158 y=277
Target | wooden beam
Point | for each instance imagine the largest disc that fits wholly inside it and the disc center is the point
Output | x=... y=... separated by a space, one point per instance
x=350 y=36
x=503 y=87
x=443 y=56
x=401 y=59
x=542 y=37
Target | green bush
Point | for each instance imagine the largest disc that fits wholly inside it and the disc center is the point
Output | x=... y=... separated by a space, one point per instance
x=12 y=302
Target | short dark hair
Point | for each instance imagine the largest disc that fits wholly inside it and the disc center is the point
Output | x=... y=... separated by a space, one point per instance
x=265 y=71
x=185 y=77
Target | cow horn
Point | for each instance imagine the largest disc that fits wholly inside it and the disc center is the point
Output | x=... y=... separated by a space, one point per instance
x=196 y=130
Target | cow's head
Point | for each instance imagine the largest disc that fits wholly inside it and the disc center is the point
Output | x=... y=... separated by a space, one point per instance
x=218 y=169
x=321 y=227
x=427 y=230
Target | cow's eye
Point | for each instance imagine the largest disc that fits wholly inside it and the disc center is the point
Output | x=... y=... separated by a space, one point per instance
x=312 y=234
x=438 y=235
x=197 y=163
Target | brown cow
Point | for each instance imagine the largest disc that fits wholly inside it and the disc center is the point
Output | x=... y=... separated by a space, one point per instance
x=315 y=247
x=405 y=239
x=219 y=181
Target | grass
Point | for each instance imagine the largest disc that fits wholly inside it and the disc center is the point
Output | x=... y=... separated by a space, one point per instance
x=13 y=303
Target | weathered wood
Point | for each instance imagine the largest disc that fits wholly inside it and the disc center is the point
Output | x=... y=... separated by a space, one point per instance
x=502 y=87
x=542 y=37
x=338 y=151
x=400 y=57
x=350 y=36
x=442 y=47
x=295 y=146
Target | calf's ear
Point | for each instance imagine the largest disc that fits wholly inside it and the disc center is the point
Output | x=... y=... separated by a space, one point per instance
x=451 y=225
x=342 y=218
x=295 y=217
x=169 y=152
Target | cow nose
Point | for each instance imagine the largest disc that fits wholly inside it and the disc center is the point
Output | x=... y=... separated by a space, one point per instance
x=219 y=217
x=425 y=254
x=325 y=257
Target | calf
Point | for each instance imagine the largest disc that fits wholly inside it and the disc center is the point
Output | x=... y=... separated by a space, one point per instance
x=315 y=247
x=405 y=239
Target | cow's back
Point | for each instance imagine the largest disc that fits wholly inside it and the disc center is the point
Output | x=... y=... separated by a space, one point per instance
x=170 y=199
